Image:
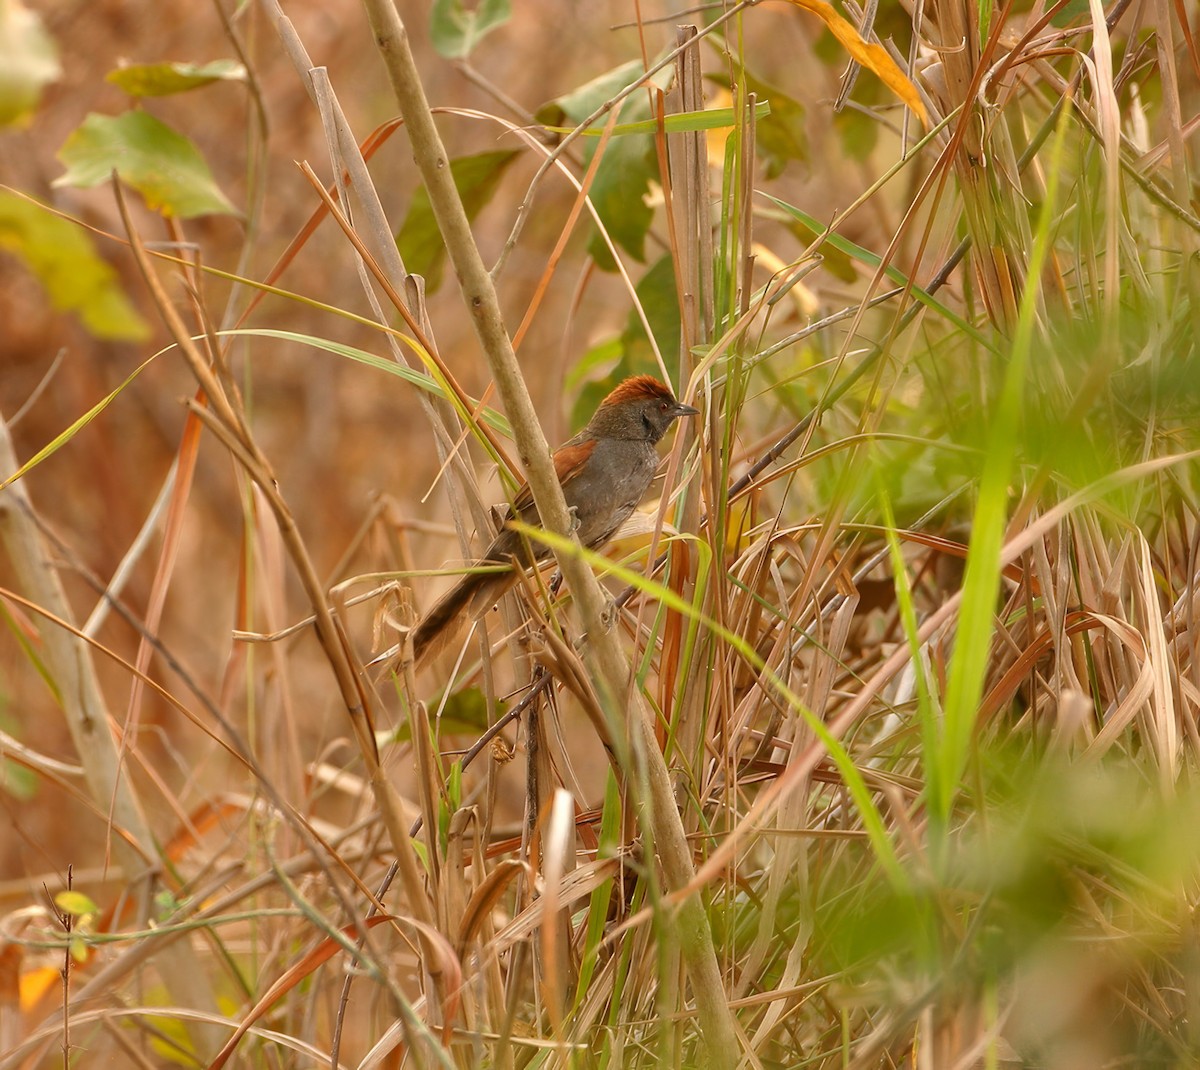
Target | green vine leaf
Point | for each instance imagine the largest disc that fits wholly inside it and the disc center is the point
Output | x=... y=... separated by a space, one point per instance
x=477 y=178
x=457 y=29
x=162 y=165
x=621 y=188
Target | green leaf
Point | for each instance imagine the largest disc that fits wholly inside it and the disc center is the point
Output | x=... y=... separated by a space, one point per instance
x=833 y=260
x=601 y=897
x=859 y=133
x=167 y=903
x=981 y=581
x=28 y=62
x=1069 y=12
x=986 y=10
x=420 y=242
x=457 y=29
x=17 y=782
x=601 y=356
x=63 y=259
x=463 y=713
x=680 y=123
x=162 y=165
x=170 y=1042
x=622 y=181
x=26 y=642
x=443 y=824
x=619 y=193
x=659 y=299
x=422 y=853
x=580 y=102
x=593 y=376
x=780 y=135
x=361 y=356
x=162 y=79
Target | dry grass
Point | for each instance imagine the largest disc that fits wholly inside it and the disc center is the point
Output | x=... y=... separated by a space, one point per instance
x=919 y=643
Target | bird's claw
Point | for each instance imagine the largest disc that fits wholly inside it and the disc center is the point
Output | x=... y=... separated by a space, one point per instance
x=573 y=512
x=609 y=614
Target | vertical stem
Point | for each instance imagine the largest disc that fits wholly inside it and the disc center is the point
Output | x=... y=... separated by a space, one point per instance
x=608 y=663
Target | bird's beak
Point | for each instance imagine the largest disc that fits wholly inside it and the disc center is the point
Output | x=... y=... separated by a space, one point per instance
x=685 y=410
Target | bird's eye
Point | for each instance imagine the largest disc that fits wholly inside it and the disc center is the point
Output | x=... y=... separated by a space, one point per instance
x=663 y=406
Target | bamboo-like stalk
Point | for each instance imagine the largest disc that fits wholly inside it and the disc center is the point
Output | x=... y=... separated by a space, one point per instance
x=69 y=665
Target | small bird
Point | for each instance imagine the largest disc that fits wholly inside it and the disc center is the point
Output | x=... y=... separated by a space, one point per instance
x=604 y=471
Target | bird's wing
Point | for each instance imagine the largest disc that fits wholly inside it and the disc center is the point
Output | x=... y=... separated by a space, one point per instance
x=568 y=459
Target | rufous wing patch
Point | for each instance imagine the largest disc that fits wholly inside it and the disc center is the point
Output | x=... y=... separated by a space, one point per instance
x=568 y=462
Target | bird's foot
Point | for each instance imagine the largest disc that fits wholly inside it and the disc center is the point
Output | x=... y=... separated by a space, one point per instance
x=573 y=512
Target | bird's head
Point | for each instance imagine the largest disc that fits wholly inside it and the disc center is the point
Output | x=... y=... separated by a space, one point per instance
x=641 y=407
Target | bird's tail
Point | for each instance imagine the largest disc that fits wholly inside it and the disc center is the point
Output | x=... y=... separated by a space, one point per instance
x=475 y=593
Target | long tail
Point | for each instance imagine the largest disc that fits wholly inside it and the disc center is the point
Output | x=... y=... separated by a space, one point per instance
x=435 y=628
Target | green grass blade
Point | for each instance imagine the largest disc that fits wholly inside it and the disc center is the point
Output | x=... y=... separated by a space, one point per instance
x=981 y=584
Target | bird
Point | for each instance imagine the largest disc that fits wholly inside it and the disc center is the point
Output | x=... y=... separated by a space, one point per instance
x=604 y=471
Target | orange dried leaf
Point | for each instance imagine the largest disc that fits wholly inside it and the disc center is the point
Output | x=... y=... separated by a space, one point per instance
x=874 y=57
x=36 y=983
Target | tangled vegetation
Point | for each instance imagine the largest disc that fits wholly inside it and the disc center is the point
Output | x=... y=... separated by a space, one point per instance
x=876 y=745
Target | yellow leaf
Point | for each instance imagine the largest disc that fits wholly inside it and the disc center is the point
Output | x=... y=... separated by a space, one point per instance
x=740 y=523
x=874 y=57
x=79 y=950
x=636 y=534
x=76 y=904
x=721 y=98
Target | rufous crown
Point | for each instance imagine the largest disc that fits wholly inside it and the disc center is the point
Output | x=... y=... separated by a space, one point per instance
x=639 y=388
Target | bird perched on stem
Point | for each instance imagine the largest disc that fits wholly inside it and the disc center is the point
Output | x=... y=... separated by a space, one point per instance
x=604 y=472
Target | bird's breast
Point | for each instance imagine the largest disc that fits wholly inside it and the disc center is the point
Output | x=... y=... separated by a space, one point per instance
x=615 y=479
